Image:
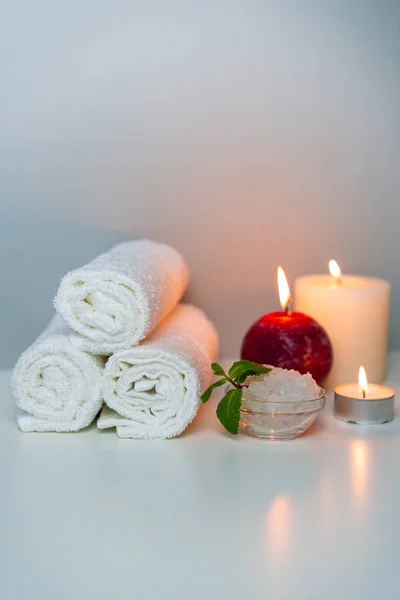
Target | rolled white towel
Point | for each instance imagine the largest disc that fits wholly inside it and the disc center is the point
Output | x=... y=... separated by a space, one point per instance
x=153 y=390
x=56 y=385
x=121 y=296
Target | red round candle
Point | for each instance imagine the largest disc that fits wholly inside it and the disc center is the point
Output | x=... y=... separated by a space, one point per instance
x=290 y=340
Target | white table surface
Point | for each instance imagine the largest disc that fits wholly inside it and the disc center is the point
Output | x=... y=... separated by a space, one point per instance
x=207 y=515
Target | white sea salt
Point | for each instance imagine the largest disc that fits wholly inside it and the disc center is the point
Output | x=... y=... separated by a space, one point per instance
x=283 y=385
x=280 y=405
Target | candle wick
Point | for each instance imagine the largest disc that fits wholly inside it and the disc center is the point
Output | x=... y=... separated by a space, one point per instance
x=288 y=307
x=339 y=280
x=363 y=394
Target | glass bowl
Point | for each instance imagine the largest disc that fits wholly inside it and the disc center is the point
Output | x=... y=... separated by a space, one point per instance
x=283 y=420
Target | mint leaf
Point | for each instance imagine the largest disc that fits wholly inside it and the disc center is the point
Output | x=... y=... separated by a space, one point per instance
x=206 y=395
x=242 y=369
x=218 y=370
x=242 y=378
x=228 y=410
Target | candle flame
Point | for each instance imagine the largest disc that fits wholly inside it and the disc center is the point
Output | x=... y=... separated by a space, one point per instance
x=363 y=381
x=284 y=290
x=335 y=270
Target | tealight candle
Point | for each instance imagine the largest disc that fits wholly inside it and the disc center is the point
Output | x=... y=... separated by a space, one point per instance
x=288 y=339
x=355 y=313
x=364 y=403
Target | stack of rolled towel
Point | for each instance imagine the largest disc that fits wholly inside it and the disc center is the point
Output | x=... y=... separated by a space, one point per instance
x=120 y=341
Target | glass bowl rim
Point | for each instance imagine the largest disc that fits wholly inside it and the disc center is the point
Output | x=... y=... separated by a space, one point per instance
x=310 y=403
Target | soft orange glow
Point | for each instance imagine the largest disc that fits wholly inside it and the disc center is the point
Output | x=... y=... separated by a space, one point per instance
x=363 y=381
x=283 y=287
x=359 y=468
x=335 y=270
x=279 y=529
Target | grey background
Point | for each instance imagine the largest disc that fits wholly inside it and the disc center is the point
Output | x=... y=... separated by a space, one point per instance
x=246 y=133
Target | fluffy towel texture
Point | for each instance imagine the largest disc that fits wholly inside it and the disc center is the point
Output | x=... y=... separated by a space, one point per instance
x=155 y=388
x=121 y=296
x=56 y=384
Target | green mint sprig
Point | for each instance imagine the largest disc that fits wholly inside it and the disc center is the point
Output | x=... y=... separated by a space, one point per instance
x=228 y=410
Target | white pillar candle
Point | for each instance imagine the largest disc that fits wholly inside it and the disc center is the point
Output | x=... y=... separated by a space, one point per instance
x=354 y=311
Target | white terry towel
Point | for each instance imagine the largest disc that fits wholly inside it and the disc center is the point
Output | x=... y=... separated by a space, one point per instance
x=153 y=390
x=121 y=296
x=56 y=385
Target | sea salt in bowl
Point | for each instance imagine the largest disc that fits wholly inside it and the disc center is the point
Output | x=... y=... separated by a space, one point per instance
x=280 y=405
